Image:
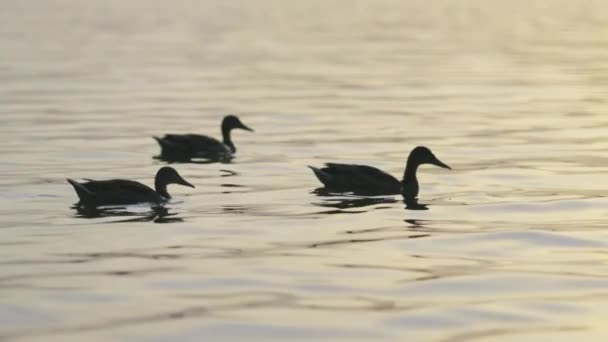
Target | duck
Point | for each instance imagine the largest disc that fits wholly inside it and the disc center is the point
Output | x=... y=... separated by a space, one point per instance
x=368 y=180
x=185 y=147
x=94 y=193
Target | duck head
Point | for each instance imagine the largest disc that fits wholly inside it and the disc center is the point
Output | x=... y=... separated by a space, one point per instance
x=419 y=155
x=231 y=122
x=165 y=176
x=423 y=155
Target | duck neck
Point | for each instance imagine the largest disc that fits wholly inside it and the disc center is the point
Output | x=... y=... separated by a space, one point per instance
x=227 y=140
x=161 y=188
x=410 y=181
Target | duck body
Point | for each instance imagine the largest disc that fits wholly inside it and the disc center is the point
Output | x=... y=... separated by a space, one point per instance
x=95 y=193
x=368 y=180
x=357 y=178
x=185 y=147
x=115 y=192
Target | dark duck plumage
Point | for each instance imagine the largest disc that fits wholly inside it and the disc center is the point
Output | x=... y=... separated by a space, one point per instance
x=93 y=193
x=185 y=147
x=367 y=180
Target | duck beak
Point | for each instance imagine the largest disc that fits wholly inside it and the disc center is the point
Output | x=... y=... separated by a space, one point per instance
x=439 y=163
x=246 y=128
x=182 y=181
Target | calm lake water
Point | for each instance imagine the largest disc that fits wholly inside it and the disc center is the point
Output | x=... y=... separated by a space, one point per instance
x=511 y=94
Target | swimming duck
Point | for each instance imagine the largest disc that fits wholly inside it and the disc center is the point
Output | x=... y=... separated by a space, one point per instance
x=184 y=147
x=362 y=179
x=95 y=193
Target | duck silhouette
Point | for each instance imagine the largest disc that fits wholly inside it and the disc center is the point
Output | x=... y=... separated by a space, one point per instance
x=95 y=193
x=185 y=147
x=370 y=181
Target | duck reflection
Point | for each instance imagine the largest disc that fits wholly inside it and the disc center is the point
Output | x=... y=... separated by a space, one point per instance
x=231 y=188
x=412 y=204
x=348 y=201
x=236 y=209
x=228 y=173
x=174 y=159
x=416 y=224
x=156 y=214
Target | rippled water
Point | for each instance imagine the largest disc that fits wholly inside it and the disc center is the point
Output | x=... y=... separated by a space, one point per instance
x=511 y=94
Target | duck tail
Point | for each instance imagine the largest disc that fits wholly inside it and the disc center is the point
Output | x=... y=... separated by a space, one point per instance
x=85 y=196
x=162 y=142
x=323 y=177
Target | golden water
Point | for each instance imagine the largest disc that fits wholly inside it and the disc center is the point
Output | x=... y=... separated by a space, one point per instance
x=511 y=94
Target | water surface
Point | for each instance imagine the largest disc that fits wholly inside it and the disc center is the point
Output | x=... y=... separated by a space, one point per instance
x=511 y=94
